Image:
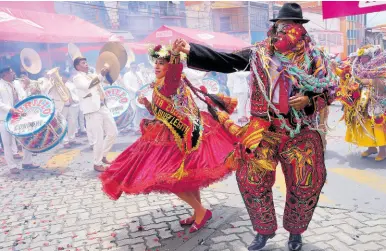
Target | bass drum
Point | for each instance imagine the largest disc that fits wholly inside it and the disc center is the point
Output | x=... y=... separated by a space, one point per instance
x=147 y=92
x=118 y=101
x=38 y=128
x=214 y=87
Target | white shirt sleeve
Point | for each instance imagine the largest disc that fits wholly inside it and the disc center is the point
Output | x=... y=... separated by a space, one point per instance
x=3 y=106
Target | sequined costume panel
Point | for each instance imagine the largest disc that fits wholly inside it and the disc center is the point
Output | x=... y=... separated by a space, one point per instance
x=302 y=162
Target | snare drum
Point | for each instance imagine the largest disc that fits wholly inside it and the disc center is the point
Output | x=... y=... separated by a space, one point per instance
x=39 y=128
x=147 y=92
x=118 y=101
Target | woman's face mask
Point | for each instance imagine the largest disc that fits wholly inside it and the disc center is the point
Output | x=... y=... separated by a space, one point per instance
x=285 y=36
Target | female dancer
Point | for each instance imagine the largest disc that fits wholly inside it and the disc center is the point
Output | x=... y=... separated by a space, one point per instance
x=180 y=151
x=363 y=94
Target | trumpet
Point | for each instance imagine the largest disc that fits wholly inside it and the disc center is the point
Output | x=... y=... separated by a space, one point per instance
x=57 y=82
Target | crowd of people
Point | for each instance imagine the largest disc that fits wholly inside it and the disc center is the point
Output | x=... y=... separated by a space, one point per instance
x=284 y=96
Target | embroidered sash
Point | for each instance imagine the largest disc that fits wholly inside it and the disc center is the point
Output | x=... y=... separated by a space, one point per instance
x=186 y=128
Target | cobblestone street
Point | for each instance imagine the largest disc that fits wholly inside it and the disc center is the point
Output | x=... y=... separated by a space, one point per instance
x=61 y=207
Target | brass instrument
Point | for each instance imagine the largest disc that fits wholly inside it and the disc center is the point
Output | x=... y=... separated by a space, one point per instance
x=73 y=51
x=57 y=82
x=118 y=50
x=30 y=61
x=110 y=61
x=34 y=86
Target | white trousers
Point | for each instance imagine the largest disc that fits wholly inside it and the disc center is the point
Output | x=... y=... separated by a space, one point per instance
x=71 y=114
x=14 y=146
x=8 y=140
x=80 y=122
x=104 y=131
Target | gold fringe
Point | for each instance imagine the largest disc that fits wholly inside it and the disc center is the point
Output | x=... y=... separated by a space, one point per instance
x=180 y=173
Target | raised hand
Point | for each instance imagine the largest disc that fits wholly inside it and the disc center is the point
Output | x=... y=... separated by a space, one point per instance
x=104 y=71
x=141 y=99
x=182 y=45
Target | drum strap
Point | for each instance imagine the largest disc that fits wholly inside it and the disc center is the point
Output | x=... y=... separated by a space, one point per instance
x=14 y=93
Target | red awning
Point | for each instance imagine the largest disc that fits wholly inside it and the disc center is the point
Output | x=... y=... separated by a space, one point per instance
x=39 y=27
x=40 y=6
x=221 y=41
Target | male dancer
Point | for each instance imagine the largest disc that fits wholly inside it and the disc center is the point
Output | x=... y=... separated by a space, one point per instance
x=289 y=84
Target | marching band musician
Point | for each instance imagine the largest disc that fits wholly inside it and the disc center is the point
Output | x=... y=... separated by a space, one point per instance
x=70 y=111
x=80 y=124
x=99 y=120
x=8 y=98
x=48 y=88
x=133 y=81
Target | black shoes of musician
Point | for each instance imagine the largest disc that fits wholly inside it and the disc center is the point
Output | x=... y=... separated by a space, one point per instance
x=295 y=242
x=260 y=241
x=29 y=166
x=99 y=168
x=105 y=161
x=75 y=143
x=15 y=171
x=17 y=156
x=80 y=134
x=67 y=146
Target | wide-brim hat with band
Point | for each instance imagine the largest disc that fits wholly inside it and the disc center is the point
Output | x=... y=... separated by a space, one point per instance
x=290 y=11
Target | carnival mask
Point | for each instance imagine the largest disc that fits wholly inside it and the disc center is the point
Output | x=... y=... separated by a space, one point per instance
x=286 y=36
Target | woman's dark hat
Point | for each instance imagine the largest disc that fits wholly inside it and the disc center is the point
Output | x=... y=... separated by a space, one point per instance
x=290 y=11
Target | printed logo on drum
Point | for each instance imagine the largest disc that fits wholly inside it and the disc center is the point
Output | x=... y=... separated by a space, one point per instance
x=119 y=94
x=39 y=108
x=212 y=85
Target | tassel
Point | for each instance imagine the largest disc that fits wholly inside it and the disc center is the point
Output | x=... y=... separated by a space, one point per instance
x=180 y=173
x=229 y=103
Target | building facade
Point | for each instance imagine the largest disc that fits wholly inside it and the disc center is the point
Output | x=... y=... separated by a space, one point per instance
x=137 y=17
x=353 y=28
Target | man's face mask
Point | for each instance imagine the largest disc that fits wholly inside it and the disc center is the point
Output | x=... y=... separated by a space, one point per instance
x=285 y=36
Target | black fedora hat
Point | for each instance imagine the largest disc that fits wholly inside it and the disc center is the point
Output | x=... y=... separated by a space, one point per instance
x=290 y=11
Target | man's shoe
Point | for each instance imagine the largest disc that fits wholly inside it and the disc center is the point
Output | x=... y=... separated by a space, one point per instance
x=260 y=241
x=99 y=168
x=75 y=143
x=29 y=166
x=105 y=161
x=15 y=171
x=80 y=134
x=67 y=146
x=295 y=242
x=17 y=156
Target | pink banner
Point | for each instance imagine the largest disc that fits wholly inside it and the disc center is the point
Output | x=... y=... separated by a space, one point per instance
x=332 y=9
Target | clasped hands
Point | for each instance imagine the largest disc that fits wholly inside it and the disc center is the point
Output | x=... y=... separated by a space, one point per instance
x=298 y=102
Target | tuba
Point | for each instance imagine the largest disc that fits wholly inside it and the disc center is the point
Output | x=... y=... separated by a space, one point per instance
x=31 y=62
x=57 y=82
